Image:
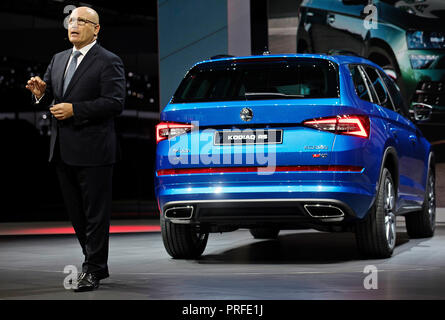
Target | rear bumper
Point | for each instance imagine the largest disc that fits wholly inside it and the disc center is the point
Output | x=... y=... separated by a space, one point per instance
x=283 y=213
x=224 y=200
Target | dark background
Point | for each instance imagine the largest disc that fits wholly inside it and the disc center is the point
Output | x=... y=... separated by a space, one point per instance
x=31 y=33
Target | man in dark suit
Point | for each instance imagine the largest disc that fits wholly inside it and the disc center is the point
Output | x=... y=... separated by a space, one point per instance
x=86 y=87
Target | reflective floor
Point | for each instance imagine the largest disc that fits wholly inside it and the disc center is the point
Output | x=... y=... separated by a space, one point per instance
x=299 y=265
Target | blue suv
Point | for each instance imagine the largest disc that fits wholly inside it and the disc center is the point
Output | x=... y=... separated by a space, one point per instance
x=283 y=142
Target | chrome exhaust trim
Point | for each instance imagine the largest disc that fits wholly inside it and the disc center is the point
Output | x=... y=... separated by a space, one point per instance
x=324 y=211
x=179 y=213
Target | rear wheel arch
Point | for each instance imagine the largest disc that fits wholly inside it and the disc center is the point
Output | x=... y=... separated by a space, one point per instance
x=390 y=161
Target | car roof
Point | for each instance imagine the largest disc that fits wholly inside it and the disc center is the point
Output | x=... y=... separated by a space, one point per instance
x=338 y=59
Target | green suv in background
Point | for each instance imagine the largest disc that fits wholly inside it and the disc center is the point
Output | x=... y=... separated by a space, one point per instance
x=407 y=39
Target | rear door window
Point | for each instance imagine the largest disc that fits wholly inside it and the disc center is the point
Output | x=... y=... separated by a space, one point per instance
x=377 y=82
x=396 y=96
x=361 y=87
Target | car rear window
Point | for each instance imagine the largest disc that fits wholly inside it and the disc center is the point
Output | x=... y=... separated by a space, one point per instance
x=257 y=79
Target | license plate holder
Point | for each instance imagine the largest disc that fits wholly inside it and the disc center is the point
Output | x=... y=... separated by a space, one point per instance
x=248 y=137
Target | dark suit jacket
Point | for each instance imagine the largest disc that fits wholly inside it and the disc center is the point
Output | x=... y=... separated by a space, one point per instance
x=97 y=92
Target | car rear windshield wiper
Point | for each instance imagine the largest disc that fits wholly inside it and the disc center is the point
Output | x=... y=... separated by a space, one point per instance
x=272 y=95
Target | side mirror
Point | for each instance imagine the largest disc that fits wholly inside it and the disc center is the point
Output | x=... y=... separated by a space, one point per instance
x=421 y=112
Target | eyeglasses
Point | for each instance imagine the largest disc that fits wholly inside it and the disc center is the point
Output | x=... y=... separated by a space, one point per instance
x=80 y=21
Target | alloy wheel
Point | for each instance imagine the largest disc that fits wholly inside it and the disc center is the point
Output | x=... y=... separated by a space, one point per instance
x=390 y=217
x=432 y=200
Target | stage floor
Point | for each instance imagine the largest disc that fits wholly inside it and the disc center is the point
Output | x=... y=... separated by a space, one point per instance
x=299 y=265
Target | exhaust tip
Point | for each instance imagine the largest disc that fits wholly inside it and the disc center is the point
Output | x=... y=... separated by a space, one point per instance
x=179 y=213
x=323 y=211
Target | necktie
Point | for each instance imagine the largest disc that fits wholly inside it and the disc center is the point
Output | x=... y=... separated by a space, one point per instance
x=71 y=69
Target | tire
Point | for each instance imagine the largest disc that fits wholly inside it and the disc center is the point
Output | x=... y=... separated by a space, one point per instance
x=183 y=241
x=376 y=234
x=422 y=224
x=265 y=233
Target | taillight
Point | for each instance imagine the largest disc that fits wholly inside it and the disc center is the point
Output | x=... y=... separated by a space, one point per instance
x=357 y=125
x=167 y=130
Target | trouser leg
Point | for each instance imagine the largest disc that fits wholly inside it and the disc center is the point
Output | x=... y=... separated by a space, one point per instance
x=87 y=192
x=96 y=186
x=72 y=196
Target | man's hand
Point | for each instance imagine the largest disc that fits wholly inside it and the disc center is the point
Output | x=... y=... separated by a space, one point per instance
x=37 y=86
x=62 y=111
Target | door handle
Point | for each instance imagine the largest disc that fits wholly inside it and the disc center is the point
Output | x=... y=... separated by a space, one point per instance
x=331 y=18
x=412 y=138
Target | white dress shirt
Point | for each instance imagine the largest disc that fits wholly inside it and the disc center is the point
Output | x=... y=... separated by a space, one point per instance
x=83 y=52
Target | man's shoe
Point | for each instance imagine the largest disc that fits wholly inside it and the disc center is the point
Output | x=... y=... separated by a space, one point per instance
x=101 y=275
x=79 y=276
x=87 y=282
x=98 y=275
